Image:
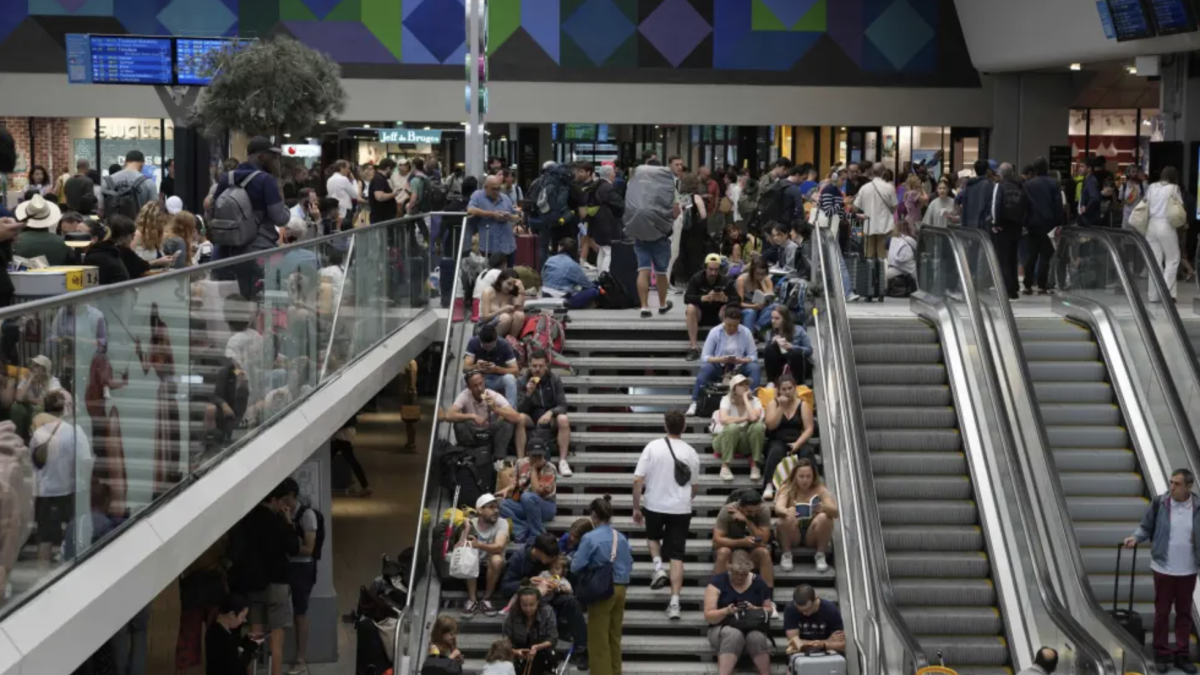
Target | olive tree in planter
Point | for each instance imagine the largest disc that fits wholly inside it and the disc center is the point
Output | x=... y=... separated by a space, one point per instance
x=268 y=87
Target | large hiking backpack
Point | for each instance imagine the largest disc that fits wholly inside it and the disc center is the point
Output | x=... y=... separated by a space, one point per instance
x=122 y=199
x=233 y=222
x=554 y=193
x=613 y=294
x=770 y=203
x=546 y=333
x=319 y=542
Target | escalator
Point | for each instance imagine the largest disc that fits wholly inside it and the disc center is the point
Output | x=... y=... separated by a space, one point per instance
x=936 y=550
x=1192 y=327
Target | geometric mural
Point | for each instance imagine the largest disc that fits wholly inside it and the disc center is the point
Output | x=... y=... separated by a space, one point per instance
x=847 y=42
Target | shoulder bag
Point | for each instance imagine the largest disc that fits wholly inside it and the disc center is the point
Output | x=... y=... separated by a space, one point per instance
x=596 y=581
x=683 y=472
x=1176 y=213
x=464 y=559
x=748 y=620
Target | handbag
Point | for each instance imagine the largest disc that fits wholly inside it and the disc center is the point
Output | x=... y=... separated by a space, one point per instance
x=596 y=582
x=1139 y=217
x=683 y=472
x=747 y=620
x=1176 y=213
x=464 y=560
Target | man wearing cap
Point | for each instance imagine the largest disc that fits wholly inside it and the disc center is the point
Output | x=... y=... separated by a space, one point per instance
x=746 y=524
x=40 y=237
x=266 y=200
x=489 y=534
x=708 y=291
x=533 y=495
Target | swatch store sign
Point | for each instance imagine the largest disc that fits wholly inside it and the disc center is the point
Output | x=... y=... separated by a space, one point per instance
x=411 y=136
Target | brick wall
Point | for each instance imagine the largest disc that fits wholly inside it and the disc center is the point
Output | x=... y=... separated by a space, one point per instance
x=52 y=141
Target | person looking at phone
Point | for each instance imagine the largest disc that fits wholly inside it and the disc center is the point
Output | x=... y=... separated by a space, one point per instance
x=477 y=409
x=729 y=348
x=707 y=294
x=757 y=293
x=813 y=625
x=533 y=631
x=488 y=354
x=502 y=305
x=807 y=510
x=737 y=606
x=789 y=419
x=226 y=651
x=745 y=525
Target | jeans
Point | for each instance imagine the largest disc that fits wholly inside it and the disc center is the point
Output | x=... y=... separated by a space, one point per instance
x=712 y=372
x=528 y=516
x=583 y=298
x=757 y=320
x=1038 y=253
x=567 y=609
x=503 y=384
x=1170 y=591
x=346 y=448
x=129 y=644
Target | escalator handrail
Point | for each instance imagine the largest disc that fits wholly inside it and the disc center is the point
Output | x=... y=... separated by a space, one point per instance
x=1076 y=634
x=1111 y=239
x=856 y=448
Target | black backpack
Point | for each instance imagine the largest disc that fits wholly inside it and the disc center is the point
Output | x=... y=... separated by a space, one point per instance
x=613 y=294
x=770 y=203
x=319 y=542
x=123 y=198
x=1013 y=205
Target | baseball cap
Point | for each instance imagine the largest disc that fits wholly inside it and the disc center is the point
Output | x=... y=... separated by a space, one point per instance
x=260 y=144
x=749 y=497
x=174 y=205
x=484 y=500
x=737 y=379
x=535 y=448
x=712 y=258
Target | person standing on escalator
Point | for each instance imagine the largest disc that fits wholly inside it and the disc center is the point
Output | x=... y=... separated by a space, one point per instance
x=1171 y=526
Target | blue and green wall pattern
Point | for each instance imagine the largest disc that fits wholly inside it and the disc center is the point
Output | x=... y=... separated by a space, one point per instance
x=798 y=42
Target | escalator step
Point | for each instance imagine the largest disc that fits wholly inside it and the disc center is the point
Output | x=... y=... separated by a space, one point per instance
x=876 y=373
x=939 y=537
x=963 y=652
x=958 y=592
x=953 y=620
x=892 y=333
x=1081 y=350
x=1090 y=414
x=1103 y=534
x=1093 y=459
x=1052 y=331
x=1068 y=371
x=1087 y=437
x=1073 y=392
x=940 y=512
x=947 y=440
x=1100 y=483
x=1106 y=509
x=933 y=487
x=903 y=395
x=946 y=564
x=918 y=463
x=897 y=353
x=902 y=417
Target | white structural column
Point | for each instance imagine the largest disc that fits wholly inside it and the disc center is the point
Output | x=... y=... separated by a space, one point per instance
x=476 y=11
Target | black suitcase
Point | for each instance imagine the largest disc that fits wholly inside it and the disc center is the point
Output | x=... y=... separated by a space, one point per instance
x=1128 y=619
x=624 y=267
x=710 y=400
x=471 y=470
x=868 y=276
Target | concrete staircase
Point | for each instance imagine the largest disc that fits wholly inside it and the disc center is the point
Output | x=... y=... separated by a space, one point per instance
x=627 y=372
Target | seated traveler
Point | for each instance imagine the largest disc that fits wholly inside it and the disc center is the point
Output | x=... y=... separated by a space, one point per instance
x=225 y=649
x=443 y=639
x=531 y=497
x=40 y=236
x=739 y=427
x=502 y=304
x=789 y=428
x=528 y=562
x=481 y=415
x=563 y=277
x=542 y=402
x=812 y=624
x=757 y=292
x=729 y=602
x=489 y=534
x=707 y=294
x=533 y=632
x=490 y=354
x=788 y=346
x=807 y=511
x=729 y=348
x=745 y=525
x=784 y=249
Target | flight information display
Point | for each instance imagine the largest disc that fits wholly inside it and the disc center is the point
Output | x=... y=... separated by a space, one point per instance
x=1130 y=20
x=191 y=56
x=1172 y=16
x=131 y=60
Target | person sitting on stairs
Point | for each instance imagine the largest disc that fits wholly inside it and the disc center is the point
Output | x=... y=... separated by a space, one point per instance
x=806 y=510
x=542 y=402
x=729 y=347
x=531 y=502
x=740 y=429
x=528 y=562
x=745 y=525
x=479 y=412
x=708 y=292
x=491 y=355
x=727 y=595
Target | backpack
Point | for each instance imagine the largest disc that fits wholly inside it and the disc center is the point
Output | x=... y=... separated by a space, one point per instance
x=123 y=198
x=233 y=222
x=770 y=203
x=901 y=286
x=747 y=206
x=1013 y=206
x=434 y=196
x=792 y=293
x=613 y=294
x=553 y=191
x=246 y=571
x=546 y=333
x=319 y=542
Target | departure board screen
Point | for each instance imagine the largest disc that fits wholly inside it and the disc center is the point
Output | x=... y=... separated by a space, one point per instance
x=1172 y=16
x=1130 y=19
x=191 y=56
x=131 y=60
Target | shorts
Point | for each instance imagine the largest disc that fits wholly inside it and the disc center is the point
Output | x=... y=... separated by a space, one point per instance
x=302 y=576
x=671 y=530
x=271 y=607
x=52 y=515
x=710 y=313
x=657 y=252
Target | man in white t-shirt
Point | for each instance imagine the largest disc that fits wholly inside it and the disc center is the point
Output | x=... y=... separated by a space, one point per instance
x=63 y=458
x=668 y=509
x=477 y=409
x=489 y=534
x=341 y=187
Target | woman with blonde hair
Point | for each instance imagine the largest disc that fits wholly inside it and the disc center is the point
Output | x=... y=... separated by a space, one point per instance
x=806 y=510
x=151 y=227
x=739 y=427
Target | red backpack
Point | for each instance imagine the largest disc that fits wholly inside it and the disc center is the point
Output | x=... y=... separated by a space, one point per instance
x=546 y=333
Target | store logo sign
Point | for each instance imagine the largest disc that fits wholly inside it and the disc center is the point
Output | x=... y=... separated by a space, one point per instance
x=412 y=136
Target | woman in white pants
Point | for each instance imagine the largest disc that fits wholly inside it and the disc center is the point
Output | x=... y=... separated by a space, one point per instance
x=1162 y=237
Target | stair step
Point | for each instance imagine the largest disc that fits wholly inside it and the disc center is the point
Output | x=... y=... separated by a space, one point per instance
x=624 y=481
x=628 y=419
x=635 y=439
x=695 y=667
x=625 y=381
x=680 y=401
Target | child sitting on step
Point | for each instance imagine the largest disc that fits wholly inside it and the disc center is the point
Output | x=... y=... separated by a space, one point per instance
x=551 y=581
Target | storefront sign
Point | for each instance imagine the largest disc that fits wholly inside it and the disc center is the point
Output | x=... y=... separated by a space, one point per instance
x=1060 y=159
x=410 y=136
x=301 y=150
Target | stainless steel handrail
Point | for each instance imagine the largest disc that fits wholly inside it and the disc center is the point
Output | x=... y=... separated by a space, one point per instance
x=1059 y=613
x=879 y=580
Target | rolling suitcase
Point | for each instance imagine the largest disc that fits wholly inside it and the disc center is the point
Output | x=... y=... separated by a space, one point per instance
x=868 y=276
x=624 y=267
x=1127 y=618
x=527 y=245
x=811 y=664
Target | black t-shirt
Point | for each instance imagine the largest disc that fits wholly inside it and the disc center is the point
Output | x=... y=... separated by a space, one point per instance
x=820 y=625
x=385 y=210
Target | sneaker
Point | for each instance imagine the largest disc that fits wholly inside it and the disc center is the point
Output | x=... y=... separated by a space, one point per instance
x=487 y=607
x=755 y=475
x=691 y=411
x=1162 y=664
x=769 y=493
x=581 y=660
x=660 y=580
x=785 y=562
x=469 y=609
x=674 y=611
x=853 y=297
x=646 y=314
x=664 y=310
x=693 y=355
x=822 y=566
x=1185 y=664
x=297 y=669
x=726 y=474
x=564 y=469
x=774 y=614
x=1027 y=291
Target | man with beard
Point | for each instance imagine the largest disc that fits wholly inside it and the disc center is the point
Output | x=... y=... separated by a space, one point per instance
x=489 y=534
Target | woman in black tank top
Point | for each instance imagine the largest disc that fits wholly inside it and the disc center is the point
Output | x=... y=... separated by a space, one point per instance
x=789 y=427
